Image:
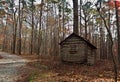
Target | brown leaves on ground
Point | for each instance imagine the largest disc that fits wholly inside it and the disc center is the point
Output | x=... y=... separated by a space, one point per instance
x=1 y=57
x=55 y=71
x=29 y=57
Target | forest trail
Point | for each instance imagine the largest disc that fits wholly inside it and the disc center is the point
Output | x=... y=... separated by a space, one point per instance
x=10 y=66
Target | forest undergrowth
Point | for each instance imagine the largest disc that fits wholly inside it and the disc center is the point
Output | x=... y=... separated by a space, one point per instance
x=49 y=70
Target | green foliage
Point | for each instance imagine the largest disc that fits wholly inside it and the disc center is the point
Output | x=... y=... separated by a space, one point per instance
x=31 y=77
x=87 y=6
x=99 y=1
x=24 y=3
x=2 y=12
x=54 y=1
x=38 y=65
x=68 y=10
x=31 y=5
x=31 y=0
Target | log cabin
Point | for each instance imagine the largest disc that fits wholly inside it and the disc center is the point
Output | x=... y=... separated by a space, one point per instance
x=76 y=49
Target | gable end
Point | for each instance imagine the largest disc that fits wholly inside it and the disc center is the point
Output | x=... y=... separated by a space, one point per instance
x=79 y=37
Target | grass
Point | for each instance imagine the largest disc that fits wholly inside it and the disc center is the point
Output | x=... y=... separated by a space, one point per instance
x=39 y=71
x=32 y=76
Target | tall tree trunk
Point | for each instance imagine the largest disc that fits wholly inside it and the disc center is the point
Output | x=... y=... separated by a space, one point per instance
x=24 y=42
x=111 y=46
x=19 y=20
x=63 y=19
x=14 y=29
x=4 y=40
x=114 y=63
x=80 y=17
x=14 y=34
x=39 y=35
x=75 y=11
x=108 y=41
x=118 y=30
x=85 y=26
x=32 y=31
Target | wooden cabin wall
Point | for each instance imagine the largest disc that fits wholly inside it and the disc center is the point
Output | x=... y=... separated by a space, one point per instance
x=91 y=56
x=73 y=50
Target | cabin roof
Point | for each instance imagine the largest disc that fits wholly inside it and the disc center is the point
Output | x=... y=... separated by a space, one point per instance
x=75 y=35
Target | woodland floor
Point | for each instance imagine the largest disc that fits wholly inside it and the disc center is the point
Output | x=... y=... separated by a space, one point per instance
x=48 y=70
x=1 y=57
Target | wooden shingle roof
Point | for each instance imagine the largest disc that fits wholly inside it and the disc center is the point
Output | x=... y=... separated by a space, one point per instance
x=75 y=35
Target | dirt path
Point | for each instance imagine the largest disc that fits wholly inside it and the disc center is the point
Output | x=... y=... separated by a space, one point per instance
x=9 y=67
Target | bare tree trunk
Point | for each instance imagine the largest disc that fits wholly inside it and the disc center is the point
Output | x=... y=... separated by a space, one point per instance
x=32 y=31
x=5 y=48
x=39 y=35
x=75 y=9
x=63 y=19
x=24 y=42
x=118 y=30
x=108 y=41
x=80 y=18
x=111 y=46
x=4 y=40
x=114 y=63
x=19 y=40
x=85 y=27
x=14 y=33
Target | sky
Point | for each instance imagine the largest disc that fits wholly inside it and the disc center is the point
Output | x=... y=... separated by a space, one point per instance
x=39 y=1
